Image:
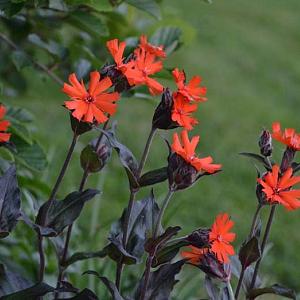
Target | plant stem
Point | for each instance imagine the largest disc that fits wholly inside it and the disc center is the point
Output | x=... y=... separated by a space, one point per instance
x=64 y=167
x=263 y=245
x=70 y=227
x=42 y=258
x=254 y=221
x=133 y=193
x=155 y=235
x=230 y=291
x=35 y=63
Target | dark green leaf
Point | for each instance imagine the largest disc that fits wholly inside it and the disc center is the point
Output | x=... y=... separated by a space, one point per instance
x=249 y=252
x=51 y=46
x=141 y=226
x=20 y=59
x=85 y=294
x=58 y=5
x=153 y=177
x=161 y=282
x=11 y=282
x=10 y=202
x=149 y=6
x=257 y=157
x=90 y=160
x=216 y=289
x=78 y=256
x=276 y=289
x=169 y=37
x=59 y=214
x=40 y=289
x=91 y=23
x=127 y=159
x=110 y=285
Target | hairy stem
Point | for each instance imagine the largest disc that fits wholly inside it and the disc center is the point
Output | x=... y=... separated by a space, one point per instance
x=254 y=222
x=263 y=245
x=155 y=235
x=133 y=193
x=36 y=64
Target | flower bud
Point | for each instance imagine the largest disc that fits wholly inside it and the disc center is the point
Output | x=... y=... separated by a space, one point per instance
x=199 y=238
x=162 y=118
x=265 y=143
x=181 y=174
x=261 y=196
x=212 y=267
x=287 y=159
x=94 y=159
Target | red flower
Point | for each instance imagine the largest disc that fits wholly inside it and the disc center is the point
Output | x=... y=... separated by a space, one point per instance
x=187 y=152
x=278 y=188
x=155 y=50
x=195 y=255
x=191 y=91
x=181 y=112
x=220 y=237
x=288 y=137
x=116 y=49
x=4 y=124
x=138 y=71
x=94 y=104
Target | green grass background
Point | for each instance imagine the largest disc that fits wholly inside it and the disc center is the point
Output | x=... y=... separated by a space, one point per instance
x=248 y=55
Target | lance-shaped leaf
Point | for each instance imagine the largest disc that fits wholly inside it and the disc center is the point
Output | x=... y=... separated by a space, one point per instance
x=10 y=202
x=276 y=289
x=83 y=256
x=110 y=285
x=250 y=252
x=127 y=159
x=161 y=282
x=32 y=292
x=141 y=225
x=149 y=6
x=85 y=294
x=258 y=158
x=59 y=214
x=154 y=176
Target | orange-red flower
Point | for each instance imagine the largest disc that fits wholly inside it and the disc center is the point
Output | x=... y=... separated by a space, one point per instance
x=93 y=104
x=116 y=49
x=220 y=237
x=181 y=112
x=139 y=70
x=192 y=91
x=187 y=152
x=278 y=188
x=288 y=137
x=195 y=255
x=155 y=50
x=4 y=124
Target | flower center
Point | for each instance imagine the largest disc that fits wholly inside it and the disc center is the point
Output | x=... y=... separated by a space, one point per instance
x=219 y=238
x=89 y=99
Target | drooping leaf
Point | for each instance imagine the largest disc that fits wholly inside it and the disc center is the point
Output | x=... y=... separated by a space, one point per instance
x=110 y=285
x=127 y=159
x=78 y=256
x=169 y=37
x=10 y=202
x=250 y=252
x=142 y=222
x=59 y=214
x=276 y=289
x=149 y=6
x=258 y=158
x=50 y=46
x=32 y=292
x=11 y=282
x=85 y=294
x=161 y=282
x=89 y=22
x=153 y=177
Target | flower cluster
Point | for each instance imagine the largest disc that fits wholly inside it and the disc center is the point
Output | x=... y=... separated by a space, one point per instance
x=4 y=124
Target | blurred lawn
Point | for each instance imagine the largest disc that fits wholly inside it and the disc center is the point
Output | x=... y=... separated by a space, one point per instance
x=248 y=55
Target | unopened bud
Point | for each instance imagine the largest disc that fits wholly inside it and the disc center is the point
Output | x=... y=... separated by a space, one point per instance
x=265 y=143
x=199 y=238
x=287 y=159
x=162 y=118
